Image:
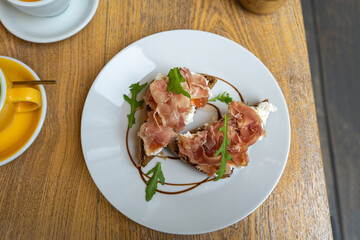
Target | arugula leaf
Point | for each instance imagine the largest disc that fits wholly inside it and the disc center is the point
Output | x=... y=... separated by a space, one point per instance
x=222 y=98
x=135 y=89
x=225 y=156
x=175 y=80
x=153 y=181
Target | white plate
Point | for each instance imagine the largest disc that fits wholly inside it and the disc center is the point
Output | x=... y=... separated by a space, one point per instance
x=46 y=30
x=213 y=205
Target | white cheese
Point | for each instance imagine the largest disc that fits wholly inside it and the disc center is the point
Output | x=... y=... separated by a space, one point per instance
x=156 y=151
x=263 y=109
x=188 y=135
x=210 y=92
x=159 y=76
x=189 y=117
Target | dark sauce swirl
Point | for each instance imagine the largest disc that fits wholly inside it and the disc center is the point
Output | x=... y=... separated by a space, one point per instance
x=241 y=97
x=217 y=110
x=144 y=175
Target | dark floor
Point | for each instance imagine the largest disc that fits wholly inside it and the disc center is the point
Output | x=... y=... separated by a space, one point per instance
x=333 y=38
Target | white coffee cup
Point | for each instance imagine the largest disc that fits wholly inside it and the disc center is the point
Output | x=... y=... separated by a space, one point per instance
x=42 y=8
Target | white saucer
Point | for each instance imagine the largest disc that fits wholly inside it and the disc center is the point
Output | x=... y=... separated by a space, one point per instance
x=46 y=30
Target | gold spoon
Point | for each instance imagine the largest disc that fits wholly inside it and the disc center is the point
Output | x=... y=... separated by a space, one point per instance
x=35 y=82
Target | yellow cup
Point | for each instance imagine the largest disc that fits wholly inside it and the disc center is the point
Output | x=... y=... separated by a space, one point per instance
x=15 y=100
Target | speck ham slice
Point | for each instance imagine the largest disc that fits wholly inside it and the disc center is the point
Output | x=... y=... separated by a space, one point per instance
x=168 y=110
x=244 y=129
x=197 y=84
x=156 y=134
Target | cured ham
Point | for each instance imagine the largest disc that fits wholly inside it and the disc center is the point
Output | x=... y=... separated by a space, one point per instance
x=244 y=129
x=199 y=90
x=155 y=134
x=169 y=112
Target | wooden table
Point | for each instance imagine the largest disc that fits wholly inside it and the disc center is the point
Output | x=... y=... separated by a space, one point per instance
x=48 y=192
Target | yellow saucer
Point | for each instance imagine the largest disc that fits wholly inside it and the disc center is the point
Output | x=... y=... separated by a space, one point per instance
x=26 y=126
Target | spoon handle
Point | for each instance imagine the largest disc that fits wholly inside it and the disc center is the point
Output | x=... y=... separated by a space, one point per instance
x=35 y=82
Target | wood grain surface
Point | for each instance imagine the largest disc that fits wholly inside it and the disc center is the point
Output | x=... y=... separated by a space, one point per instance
x=47 y=193
x=312 y=33
x=334 y=39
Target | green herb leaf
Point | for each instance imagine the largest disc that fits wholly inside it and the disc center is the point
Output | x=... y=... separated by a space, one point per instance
x=222 y=98
x=225 y=155
x=135 y=89
x=153 y=181
x=175 y=80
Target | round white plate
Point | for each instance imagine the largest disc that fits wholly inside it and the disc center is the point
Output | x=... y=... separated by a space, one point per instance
x=213 y=205
x=46 y=30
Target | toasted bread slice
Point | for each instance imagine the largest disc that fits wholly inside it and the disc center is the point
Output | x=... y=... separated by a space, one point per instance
x=143 y=158
x=174 y=147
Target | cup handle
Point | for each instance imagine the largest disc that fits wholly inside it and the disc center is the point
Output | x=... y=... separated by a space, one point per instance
x=26 y=99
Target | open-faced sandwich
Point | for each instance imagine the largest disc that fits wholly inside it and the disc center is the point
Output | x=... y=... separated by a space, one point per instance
x=171 y=102
x=231 y=135
x=214 y=149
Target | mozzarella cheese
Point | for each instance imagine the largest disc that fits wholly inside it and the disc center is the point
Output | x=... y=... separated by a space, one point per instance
x=155 y=152
x=159 y=76
x=189 y=117
x=263 y=109
x=188 y=135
